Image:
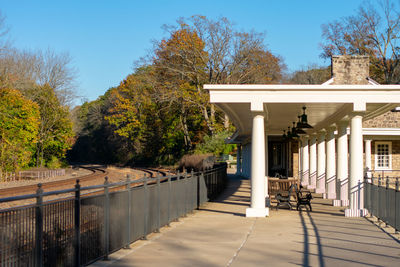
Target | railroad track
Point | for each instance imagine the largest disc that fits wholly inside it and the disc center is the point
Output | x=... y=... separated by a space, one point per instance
x=96 y=174
x=152 y=172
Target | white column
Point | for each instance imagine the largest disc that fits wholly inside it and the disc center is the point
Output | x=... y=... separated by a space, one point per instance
x=313 y=162
x=300 y=161
x=257 y=207
x=330 y=164
x=266 y=165
x=305 y=162
x=342 y=172
x=368 y=163
x=356 y=197
x=239 y=160
x=321 y=163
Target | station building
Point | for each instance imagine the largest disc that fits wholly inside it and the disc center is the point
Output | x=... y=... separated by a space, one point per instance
x=346 y=129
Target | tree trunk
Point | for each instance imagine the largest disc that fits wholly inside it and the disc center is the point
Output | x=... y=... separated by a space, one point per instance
x=209 y=121
x=186 y=136
x=226 y=122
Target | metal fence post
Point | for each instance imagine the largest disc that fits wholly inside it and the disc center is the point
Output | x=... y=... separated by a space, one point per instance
x=191 y=191
x=199 y=178
x=158 y=177
x=185 y=177
x=145 y=209
x=178 y=174
x=77 y=239
x=169 y=199
x=387 y=182
x=396 y=207
x=39 y=226
x=106 y=219
x=128 y=188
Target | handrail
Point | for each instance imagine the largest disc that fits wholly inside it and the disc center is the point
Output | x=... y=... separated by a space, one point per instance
x=79 y=230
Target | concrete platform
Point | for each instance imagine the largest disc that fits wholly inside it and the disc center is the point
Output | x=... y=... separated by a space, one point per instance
x=220 y=235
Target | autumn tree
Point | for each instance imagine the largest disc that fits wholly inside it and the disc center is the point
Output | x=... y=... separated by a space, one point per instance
x=19 y=125
x=200 y=50
x=147 y=118
x=371 y=31
x=161 y=111
x=179 y=73
x=24 y=69
x=96 y=140
x=4 y=41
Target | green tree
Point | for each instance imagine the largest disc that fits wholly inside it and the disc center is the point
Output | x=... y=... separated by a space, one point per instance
x=313 y=74
x=19 y=125
x=55 y=130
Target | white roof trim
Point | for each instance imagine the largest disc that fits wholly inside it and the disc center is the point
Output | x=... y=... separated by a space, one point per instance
x=301 y=87
x=371 y=81
x=381 y=131
x=330 y=81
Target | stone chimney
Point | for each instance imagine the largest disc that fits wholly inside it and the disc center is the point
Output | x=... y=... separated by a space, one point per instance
x=350 y=69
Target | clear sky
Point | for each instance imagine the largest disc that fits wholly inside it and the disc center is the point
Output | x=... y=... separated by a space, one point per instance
x=104 y=38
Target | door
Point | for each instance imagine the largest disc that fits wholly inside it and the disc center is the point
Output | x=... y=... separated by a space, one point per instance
x=276 y=159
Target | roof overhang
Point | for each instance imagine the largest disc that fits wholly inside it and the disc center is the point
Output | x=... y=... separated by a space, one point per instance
x=281 y=104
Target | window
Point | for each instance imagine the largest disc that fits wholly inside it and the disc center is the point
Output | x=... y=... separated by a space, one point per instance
x=383 y=155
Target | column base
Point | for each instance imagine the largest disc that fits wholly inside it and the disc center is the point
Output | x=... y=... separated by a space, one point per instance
x=355 y=212
x=345 y=202
x=337 y=203
x=331 y=195
x=267 y=201
x=257 y=212
x=320 y=190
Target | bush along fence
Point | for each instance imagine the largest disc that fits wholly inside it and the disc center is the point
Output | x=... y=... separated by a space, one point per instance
x=14 y=176
x=88 y=227
x=382 y=200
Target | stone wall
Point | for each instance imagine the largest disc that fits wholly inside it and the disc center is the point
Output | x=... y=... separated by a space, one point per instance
x=386 y=120
x=395 y=159
x=350 y=69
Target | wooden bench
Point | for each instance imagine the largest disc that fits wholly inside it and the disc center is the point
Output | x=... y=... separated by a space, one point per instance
x=282 y=190
x=277 y=185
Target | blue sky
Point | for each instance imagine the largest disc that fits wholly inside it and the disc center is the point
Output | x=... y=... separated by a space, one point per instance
x=104 y=38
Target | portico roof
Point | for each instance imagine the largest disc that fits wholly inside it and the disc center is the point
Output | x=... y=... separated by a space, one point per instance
x=281 y=104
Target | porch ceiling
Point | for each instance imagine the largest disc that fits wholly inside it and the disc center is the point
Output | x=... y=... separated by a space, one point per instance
x=281 y=104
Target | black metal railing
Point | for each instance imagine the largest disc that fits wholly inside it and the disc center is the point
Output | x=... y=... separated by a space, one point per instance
x=382 y=199
x=86 y=227
x=392 y=174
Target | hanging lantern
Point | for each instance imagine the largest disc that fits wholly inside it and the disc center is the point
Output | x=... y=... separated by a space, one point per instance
x=299 y=126
x=294 y=133
x=289 y=134
x=284 y=136
x=304 y=122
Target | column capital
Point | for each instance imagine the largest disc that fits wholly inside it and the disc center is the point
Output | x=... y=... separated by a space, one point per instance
x=321 y=134
x=305 y=137
x=342 y=123
x=357 y=113
x=330 y=128
x=313 y=135
x=257 y=113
